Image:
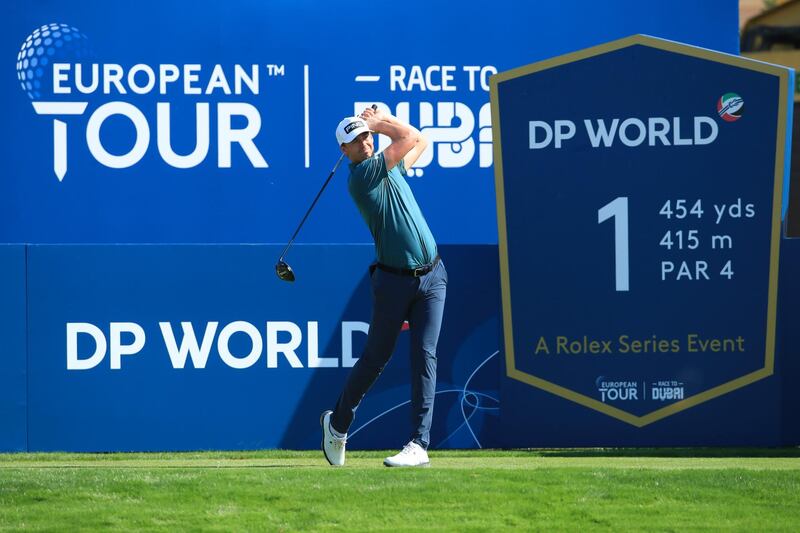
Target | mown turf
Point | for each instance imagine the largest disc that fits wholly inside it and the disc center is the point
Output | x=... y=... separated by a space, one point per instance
x=542 y=490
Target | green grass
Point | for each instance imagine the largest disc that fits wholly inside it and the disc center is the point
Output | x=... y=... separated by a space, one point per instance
x=487 y=490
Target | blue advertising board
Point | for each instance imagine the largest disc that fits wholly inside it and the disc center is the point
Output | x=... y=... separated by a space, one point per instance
x=213 y=122
x=787 y=366
x=142 y=347
x=13 y=354
x=639 y=229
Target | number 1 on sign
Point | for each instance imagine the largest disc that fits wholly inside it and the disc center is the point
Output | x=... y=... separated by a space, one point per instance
x=618 y=209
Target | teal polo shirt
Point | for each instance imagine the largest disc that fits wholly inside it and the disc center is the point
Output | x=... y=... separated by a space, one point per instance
x=402 y=237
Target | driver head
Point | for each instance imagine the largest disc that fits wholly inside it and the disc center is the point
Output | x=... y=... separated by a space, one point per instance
x=284 y=271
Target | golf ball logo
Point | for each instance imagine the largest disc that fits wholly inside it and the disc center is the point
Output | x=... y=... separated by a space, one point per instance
x=730 y=107
x=45 y=45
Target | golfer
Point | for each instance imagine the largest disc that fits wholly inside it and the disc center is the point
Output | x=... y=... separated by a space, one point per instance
x=408 y=280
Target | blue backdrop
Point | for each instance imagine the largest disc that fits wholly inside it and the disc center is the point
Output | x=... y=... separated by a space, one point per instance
x=211 y=125
x=426 y=61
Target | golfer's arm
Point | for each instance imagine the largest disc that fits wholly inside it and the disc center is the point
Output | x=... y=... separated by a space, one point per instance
x=405 y=139
x=419 y=147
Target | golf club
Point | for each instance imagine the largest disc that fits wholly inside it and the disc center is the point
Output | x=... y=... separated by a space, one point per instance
x=282 y=269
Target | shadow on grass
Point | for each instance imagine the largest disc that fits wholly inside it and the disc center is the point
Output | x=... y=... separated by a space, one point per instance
x=145 y=466
x=636 y=452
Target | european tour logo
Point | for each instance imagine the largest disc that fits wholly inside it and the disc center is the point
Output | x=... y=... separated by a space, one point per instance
x=55 y=70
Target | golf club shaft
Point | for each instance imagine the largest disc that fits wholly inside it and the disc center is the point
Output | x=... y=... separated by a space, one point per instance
x=374 y=106
x=336 y=166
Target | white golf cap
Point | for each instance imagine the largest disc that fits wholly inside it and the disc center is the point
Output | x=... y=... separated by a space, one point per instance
x=350 y=128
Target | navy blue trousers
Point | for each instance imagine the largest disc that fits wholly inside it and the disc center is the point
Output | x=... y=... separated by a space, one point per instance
x=397 y=298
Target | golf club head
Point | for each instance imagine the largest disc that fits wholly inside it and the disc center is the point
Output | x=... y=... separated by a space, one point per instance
x=284 y=271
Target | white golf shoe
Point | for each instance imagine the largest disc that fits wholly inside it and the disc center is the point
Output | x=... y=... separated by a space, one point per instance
x=412 y=454
x=332 y=446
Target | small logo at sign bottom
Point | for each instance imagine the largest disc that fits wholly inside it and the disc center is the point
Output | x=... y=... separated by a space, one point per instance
x=622 y=390
x=617 y=390
x=666 y=390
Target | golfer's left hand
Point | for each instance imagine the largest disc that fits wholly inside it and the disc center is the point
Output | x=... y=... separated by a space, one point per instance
x=376 y=115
